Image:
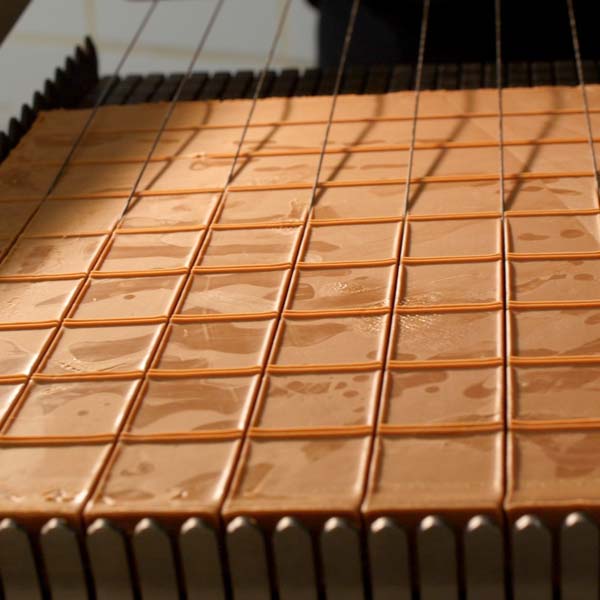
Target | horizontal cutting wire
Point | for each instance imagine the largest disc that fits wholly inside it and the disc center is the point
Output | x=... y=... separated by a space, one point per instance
x=167 y=117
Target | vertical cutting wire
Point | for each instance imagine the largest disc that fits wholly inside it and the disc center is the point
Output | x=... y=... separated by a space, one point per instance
x=581 y=79
x=409 y=169
x=172 y=105
x=499 y=82
x=315 y=186
x=259 y=86
x=336 y=92
x=103 y=94
x=418 y=84
x=506 y=342
x=396 y=285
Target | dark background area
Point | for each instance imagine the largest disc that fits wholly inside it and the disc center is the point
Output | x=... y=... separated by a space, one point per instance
x=459 y=30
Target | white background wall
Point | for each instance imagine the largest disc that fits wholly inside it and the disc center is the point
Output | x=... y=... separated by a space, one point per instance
x=49 y=29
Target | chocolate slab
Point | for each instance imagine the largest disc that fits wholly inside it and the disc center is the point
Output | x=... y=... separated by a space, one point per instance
x=452 y=284
x=21 y=182
x=128 y=297
x=199 y=173
x=336 y=340
x=461 y=162
x=574 y=332
x=239 y=247
x=360 y=202
x=150 y=251
x=342 y=288
x=265 y=206
x=98 y=146
x=557 y=234
x=426 y=398
x=14 y=216
x=466 y=237
x=545 y=127
x=101 y=351
x=36 y=484
x=21 y=349
x=52 y=256
x=555 y=280
x=448 y=336
x=216 y=345
x=300 y=477
x=222 y=351
x=538 y=393
x=551 y=193
x=75 y=217
x=105 y=179
x=552 y=471
x=550 y=158
x=167 y=480
x=352 y=243
x=445 y=473
x=317 y=400
x=185 y=210
x=63 y=409
x=195 y=404
x=455 y=197
x=234 y=293
x=37 y=300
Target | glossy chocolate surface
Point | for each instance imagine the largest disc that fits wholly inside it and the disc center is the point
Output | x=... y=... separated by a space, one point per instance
x=234 y=346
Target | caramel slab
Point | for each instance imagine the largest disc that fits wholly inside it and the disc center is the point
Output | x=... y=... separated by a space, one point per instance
x=129 y=297
x=555 y=280
x=342 y=288
x=336 y=340
x=299 y=477
x=25 y=301
x=216 y=345
x=425 y=398
x=265 y=206
x=64 y=409
x=317 y=400
x=167 y=480
x=447 y=474
x=35 y=483
x=150 y=251
x=194 y=405
x=102 y=350
x=52 y=256
x=166 y=211
x=448 y=336
x=452 y=284
x=239 y=247
x=352 y=243
x=234 y=293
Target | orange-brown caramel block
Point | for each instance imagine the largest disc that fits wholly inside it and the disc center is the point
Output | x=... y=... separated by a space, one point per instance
x=101 y=351
x=215 y=345
x=456 y=475
x=71 y=409
x=194 y=405
x=128 y=298
x=552 y=472
x=36 y=485
x=171 y=481
x=301 y=477
x=308 y=401
x=443 y=397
